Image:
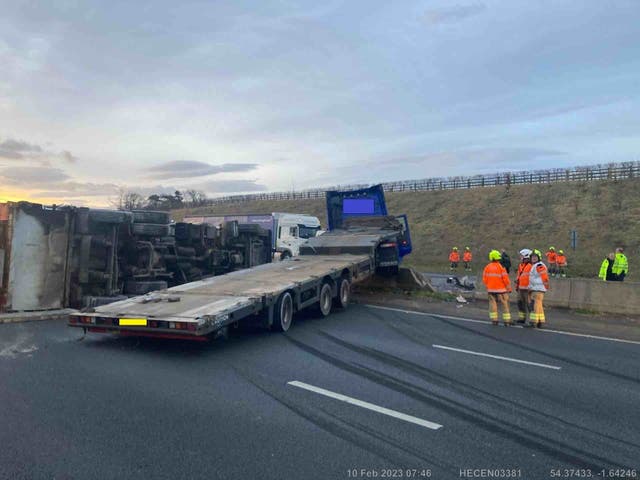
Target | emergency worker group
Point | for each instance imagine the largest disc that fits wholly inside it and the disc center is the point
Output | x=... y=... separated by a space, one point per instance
x=531 y=282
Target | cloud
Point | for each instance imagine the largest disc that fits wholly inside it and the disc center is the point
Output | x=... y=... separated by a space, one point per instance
x=73 y=189
x=66 y=155
x=32 y=176
x=11 y=149
x=492 y=157
x=452 y=14
x=190 y=168
x=17 y=149
x=214 y=187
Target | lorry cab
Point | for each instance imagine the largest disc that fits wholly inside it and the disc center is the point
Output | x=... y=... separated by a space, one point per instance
x=291 y=230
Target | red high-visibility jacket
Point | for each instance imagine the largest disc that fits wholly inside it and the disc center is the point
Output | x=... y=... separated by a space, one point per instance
x=562 y=260
x=454 y=257
x=495 y=278
x=552 y=257
x=467 y=256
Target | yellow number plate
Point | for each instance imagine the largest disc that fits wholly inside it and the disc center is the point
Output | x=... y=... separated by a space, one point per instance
x=133 y=322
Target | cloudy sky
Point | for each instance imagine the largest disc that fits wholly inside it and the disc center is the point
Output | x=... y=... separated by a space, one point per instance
x=244 y=96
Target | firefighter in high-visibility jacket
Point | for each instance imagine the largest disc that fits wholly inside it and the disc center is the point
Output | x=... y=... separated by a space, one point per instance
x=522 y=285
x=552 y=260
x=496 y=279
x=561 y=259
x=454 y=258
x=467 y=256
x=538 y=285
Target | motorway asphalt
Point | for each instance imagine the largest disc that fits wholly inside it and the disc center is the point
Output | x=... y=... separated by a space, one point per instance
x=108 y=407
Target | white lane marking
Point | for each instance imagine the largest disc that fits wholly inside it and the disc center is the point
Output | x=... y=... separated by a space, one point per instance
x=508 y=359
x=597 y=337
x=367 y=405
x=544 y=330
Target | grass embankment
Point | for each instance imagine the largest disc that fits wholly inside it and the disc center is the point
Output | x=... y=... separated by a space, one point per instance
x=605 y=214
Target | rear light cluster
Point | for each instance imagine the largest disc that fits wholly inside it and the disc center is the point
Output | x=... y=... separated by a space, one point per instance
x=94 y=320
x=173 y=325
x=387 y=245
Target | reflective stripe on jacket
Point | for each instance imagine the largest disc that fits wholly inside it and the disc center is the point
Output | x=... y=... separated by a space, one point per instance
x=454 y=257
x=495 y=278
x=620 y=264
x=539 y=278
x=522 y=280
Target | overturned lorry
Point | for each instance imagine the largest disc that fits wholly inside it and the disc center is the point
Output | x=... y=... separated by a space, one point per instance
x=56 y=257
x=364 y=239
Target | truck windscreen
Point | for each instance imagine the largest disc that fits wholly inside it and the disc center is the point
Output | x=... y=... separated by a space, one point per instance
x=358 y=206
x=307 y=232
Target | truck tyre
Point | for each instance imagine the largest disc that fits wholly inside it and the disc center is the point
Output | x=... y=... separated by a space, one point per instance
x=344 y=292
x=285 y=255
x=109 y=216
x=150 y=230
x=283 y=313
x=326 y=299
x=147 y=216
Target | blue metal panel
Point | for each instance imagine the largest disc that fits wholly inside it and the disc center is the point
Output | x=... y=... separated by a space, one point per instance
x=352 y=203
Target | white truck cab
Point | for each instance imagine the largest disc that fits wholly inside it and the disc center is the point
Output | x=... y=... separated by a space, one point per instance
x=292 y=230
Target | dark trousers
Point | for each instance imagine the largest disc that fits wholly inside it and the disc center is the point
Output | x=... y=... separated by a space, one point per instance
x=524 y=305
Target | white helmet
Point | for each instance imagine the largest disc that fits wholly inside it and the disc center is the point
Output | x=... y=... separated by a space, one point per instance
x=525 y=253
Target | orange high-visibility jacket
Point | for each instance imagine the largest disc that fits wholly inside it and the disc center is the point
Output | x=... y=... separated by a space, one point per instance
x=495 y=278
x=552 y=257
x=562 y=260
x=522 y=280
x=454 y=256
x=467 y=256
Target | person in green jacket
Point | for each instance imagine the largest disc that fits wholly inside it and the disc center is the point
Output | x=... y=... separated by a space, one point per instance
x=606 y=268
x=620 y=265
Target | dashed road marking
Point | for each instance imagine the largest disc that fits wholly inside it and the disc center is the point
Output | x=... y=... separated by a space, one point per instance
x=366 y=405
x=498 y=357
x=544 y=330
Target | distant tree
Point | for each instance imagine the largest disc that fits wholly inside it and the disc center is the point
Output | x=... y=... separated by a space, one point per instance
x=195 y=198
x=127 y=200
x=177 y=199
x=166 y=201
x=153 y=202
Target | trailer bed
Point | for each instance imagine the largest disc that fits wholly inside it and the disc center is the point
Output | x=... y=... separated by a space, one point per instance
x=198 y=309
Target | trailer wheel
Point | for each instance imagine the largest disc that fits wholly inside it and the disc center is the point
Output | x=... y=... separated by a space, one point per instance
x=344 y=292
x=326 y=299
x=283 y=313
x=285 y=255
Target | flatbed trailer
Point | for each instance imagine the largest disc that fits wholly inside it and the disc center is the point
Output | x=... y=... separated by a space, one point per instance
x=269 y=294
x=361 y=240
